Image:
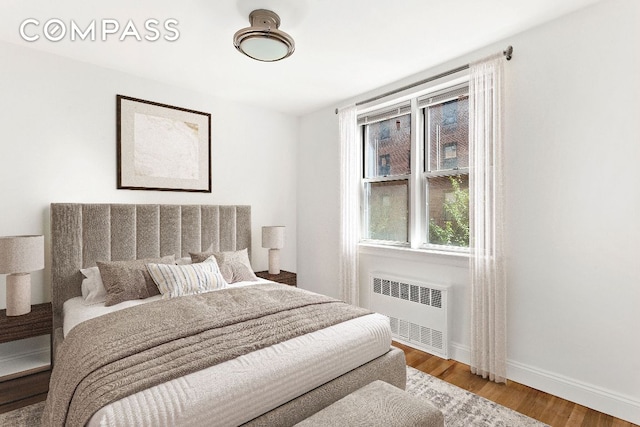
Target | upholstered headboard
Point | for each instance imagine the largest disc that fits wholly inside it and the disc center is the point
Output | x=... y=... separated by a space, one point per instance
x=82 y=234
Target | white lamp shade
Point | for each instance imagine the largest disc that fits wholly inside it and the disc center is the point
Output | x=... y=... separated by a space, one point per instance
x=21 y=254
x=273 y=237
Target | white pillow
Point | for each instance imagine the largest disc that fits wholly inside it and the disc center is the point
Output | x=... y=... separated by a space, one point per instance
x=93 y=290
x=234 y=265
x=183 y=260
x=178 y=280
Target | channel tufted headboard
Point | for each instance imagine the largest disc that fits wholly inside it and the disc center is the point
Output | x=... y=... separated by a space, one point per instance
x=82 y=234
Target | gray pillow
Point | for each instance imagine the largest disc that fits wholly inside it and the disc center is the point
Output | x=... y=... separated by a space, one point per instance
x=234 y=265
x=129 y=280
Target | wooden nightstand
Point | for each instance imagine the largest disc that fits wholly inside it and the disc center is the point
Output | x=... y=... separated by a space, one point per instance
x=286 y=277
x=27 y=387
x=37 y=322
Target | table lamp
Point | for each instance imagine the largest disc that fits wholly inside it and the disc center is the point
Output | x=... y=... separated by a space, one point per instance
x=273 y=238
x=19 y=256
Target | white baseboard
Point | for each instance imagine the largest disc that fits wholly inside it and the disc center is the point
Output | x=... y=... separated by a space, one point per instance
x=598 y=398
x=460 y=353
x=609 y=402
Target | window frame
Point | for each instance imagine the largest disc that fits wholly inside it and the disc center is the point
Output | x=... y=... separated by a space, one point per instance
x=417 y=220
x=441 y=97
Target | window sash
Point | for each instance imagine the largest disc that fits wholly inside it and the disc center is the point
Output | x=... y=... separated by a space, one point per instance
x=376 y=208
x=435 y=164
x=443 y=214
x=393 y=145
x=444 y=95
x=384 y=114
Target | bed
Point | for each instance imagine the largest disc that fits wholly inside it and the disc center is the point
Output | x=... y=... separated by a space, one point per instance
x=279 y=383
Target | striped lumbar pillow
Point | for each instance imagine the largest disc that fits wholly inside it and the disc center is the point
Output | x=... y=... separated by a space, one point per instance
x=177 y=280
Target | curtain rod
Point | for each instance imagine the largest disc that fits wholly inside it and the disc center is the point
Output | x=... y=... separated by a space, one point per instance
x=508 y=53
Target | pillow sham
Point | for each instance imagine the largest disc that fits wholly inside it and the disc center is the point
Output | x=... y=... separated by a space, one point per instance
x=234 y=265
x=93 y=291
x=129 y=280
x=184 y=260
x=189 y=279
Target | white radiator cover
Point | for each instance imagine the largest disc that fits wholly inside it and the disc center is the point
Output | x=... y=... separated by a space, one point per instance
x=419 y=312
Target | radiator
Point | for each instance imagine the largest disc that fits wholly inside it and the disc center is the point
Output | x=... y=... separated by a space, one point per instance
x=418 y=312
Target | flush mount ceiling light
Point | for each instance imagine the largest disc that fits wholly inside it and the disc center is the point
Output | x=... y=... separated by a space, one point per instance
x=263 y=40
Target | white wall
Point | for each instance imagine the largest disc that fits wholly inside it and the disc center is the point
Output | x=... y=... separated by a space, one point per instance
x=58 y=144
x=319 y=202
x=572 y=144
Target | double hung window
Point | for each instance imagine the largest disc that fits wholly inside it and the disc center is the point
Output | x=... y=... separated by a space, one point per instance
x=415 y=182
x=387 y=169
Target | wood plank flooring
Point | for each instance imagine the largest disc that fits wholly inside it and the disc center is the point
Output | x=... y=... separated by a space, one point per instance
x=536 y=404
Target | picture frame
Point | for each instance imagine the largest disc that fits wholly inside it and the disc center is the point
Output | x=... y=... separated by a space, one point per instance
x=162 y=147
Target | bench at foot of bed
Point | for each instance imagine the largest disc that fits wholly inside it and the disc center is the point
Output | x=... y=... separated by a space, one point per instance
x=377 y=404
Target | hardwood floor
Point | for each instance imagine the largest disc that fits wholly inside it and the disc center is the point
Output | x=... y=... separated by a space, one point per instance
x=552 y=410
x=536 y=404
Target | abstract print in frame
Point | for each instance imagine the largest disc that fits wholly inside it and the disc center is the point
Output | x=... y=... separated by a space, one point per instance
x=162 y=147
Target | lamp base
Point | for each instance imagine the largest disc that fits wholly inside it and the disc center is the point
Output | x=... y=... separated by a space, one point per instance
x=18 y=294
x=274 y=261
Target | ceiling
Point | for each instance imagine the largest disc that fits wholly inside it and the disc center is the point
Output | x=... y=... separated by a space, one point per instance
x=343 y=47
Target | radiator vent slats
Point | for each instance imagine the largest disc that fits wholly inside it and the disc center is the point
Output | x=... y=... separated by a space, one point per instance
x=417 y=312
x=377 y=285
x=405 y=291
x=416 y=333
x=436 y=298
x=414 y=296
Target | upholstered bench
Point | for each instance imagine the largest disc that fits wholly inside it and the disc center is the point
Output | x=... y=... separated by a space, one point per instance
x=377 y=404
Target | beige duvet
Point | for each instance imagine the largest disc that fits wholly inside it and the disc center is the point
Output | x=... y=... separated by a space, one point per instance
x=113 y=356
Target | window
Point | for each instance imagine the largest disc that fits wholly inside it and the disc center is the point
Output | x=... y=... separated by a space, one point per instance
x=387 y=168
x=428 y=206
x=446 y=174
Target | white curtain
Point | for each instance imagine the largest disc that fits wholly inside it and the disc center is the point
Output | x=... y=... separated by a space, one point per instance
x=488 y=276
x=349 y=204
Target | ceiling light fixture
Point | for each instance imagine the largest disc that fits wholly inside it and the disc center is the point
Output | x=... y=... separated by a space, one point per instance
x=263 y=40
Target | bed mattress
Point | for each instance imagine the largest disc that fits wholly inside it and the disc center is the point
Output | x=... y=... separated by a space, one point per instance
x=236 y=391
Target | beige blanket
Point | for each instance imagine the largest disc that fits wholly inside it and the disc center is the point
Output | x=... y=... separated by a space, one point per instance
x=105 y=359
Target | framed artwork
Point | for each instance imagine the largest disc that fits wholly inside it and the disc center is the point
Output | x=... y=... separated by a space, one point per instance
x=162 y=147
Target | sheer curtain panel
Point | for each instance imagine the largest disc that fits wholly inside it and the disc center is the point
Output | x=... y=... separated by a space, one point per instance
x=349 y=204
x=488 y=276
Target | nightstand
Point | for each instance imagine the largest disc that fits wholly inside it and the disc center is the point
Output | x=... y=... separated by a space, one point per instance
x=35 y=323
x=31 y=386
x=286 y=277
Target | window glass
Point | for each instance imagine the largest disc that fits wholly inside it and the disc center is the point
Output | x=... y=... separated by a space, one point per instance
x=388 y=147
x=448 y=208
x=387 y=210
x=448 y=135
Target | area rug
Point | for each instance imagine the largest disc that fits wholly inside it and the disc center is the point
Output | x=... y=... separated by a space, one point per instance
x=460 y=407
x=24 y=417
